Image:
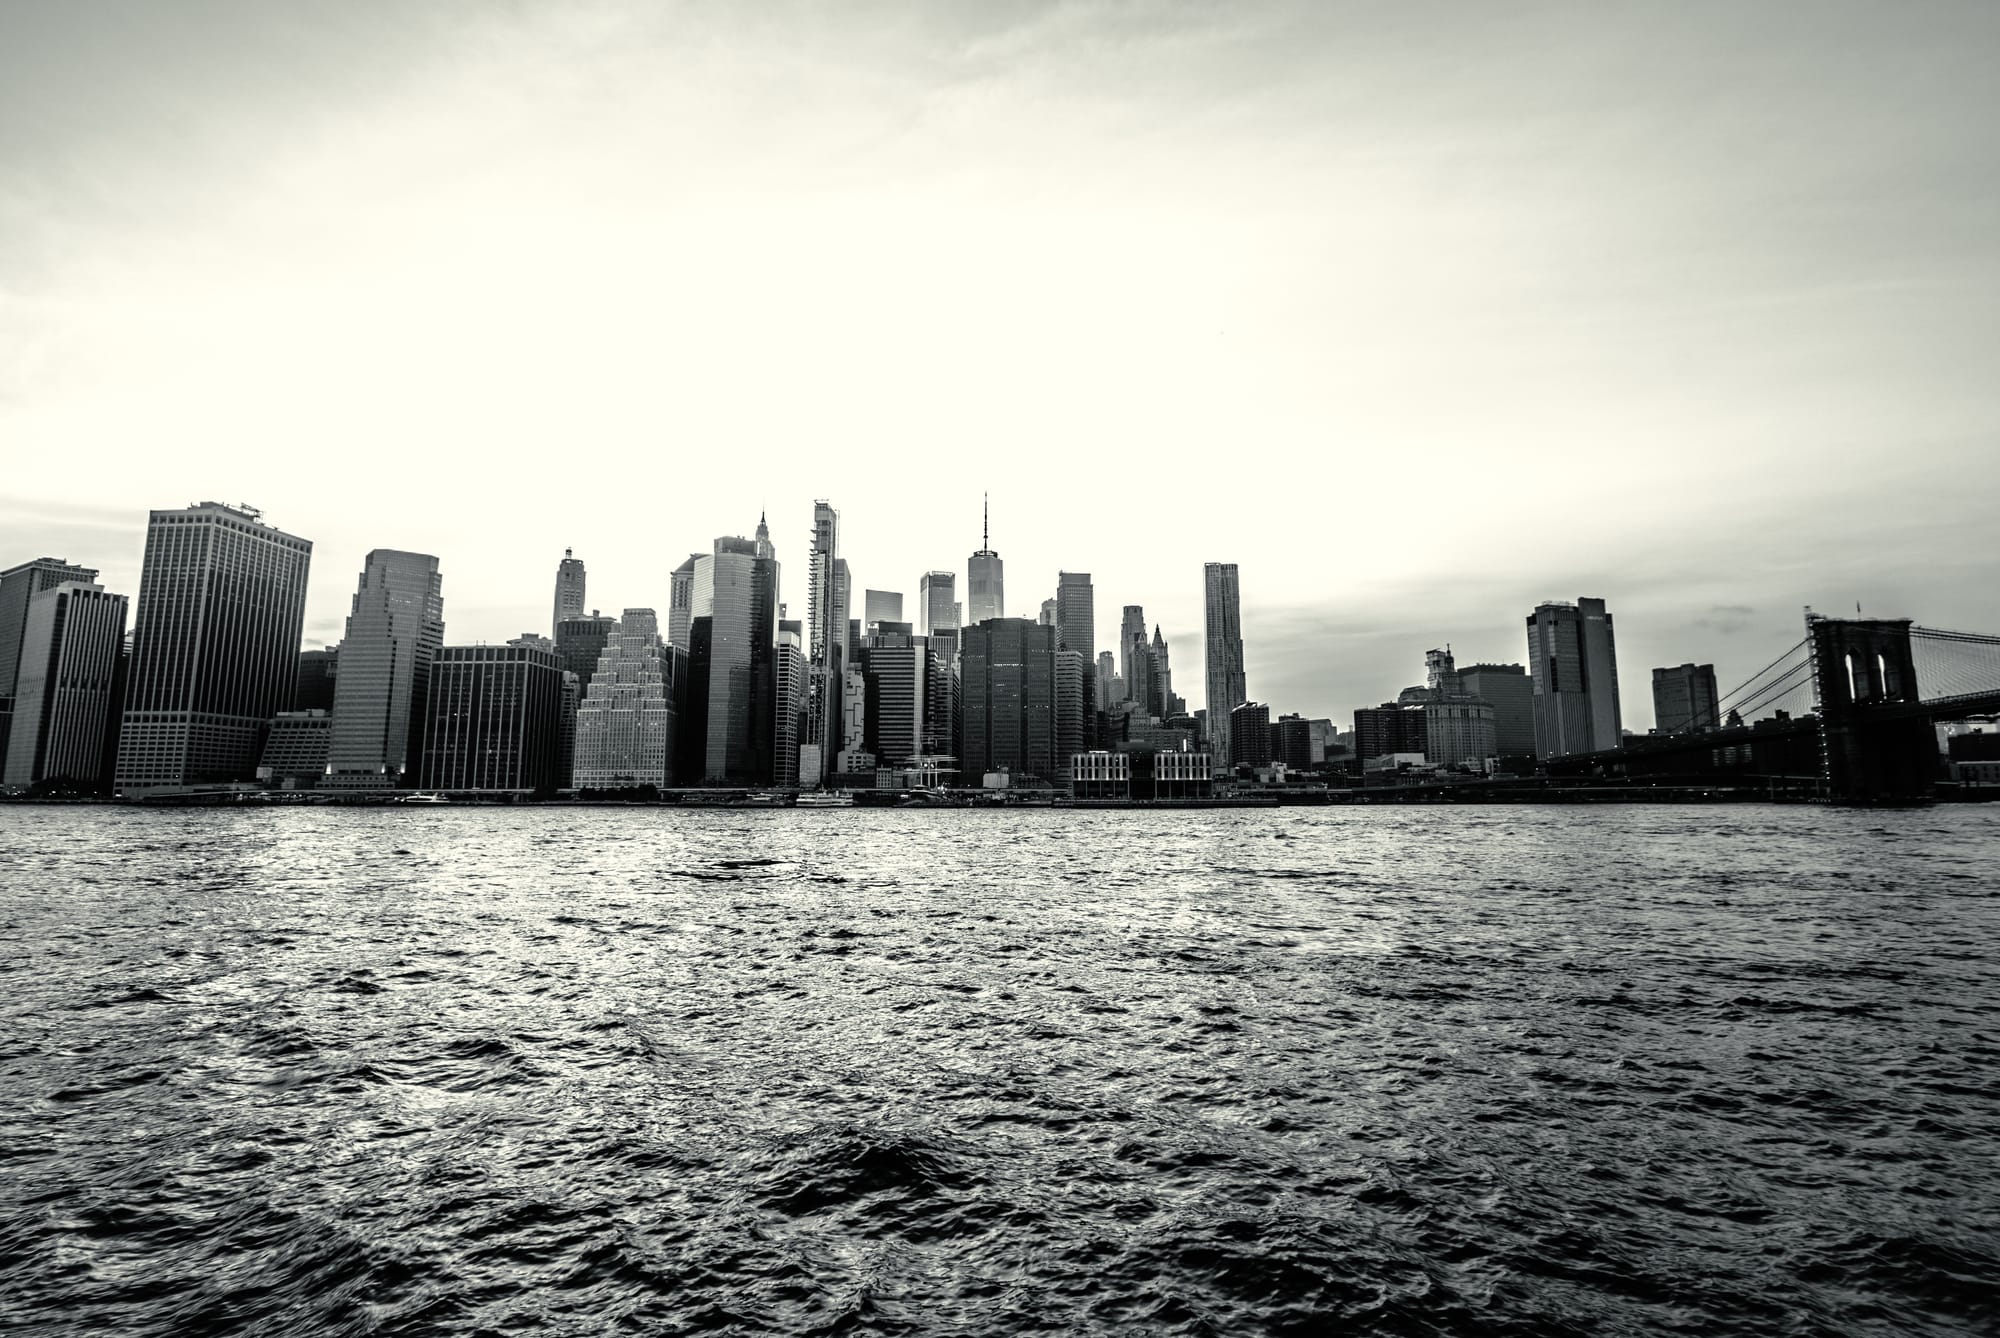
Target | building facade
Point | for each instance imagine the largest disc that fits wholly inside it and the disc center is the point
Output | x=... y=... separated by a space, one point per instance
x=215 y=646
x=896 y=671
x=494 y=720
x=937 y=596
x=296 y=749
x=881 y=606
x=66 y=686
x=1007 y=710
x=733 y=665
x=1684 y=699
x=790 y=708
x=625 y=720
x=1224 y=680
x=1573 y=657
x=18 y=585
x=825 y=634
x=1511 y=693
x=569 y=589
x=394 y=628
x=1250 y=735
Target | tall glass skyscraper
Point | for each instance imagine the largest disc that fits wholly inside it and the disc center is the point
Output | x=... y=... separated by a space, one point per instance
x=625 y=724
x=394 y=629
x=733 y=664
x=825 y=633
x=1573 y=658
x=569 y=589
x=1224 y=679
x=937 y=610
x=495 y=720
x=985 y=577
x=215 y=646
x=1008 y=708
x=1076 y=615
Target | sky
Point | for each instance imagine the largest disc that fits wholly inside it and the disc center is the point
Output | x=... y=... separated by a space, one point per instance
x=1421 y=314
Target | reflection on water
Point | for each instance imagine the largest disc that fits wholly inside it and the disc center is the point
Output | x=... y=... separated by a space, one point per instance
x=1431 y=1071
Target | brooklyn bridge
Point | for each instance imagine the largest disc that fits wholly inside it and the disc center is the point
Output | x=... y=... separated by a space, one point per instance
x=1849 y=713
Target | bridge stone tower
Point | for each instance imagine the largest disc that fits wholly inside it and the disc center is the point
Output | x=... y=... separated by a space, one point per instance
x=1876 y=746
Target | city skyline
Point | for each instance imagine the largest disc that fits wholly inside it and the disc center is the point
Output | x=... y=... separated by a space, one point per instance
x=1501 y=268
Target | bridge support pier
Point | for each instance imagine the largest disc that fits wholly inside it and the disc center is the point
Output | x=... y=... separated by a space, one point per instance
x=1859 y=664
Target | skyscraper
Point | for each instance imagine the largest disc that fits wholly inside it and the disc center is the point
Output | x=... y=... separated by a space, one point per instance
x=733 y=664
x=1076 y=616
x=680 y=603
x=625 y=722
x=18 y=585
x=825 y=630
x=1162 y=700
x=569 y=589
x=215 y=646
x=985 y=576
x=1131 y=639
x=790 y=709
x=881 y=606
x=1573 y=656
x=394 y=628
x=1684 y=699
x=319 y=670
x=937 y=611
x=1511 y=693
x=580 y=643
x=1224 y=679
x=72 y=641
x=897 y=667
x=1008 y=706
x=1048 y=613
x=494 y=720
x=1108 y=681
x=1250 y=734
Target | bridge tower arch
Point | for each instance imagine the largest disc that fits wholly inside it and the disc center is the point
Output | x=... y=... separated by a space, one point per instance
x=1859 y=666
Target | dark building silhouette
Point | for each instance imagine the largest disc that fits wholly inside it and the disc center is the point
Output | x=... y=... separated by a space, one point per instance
x=1291 y=742
x=1511 y=693
x=579 y=643
x=494 y=720
x=1684 y=699
x=1008 y=708
x=733 y=665
x=1389 y=728
x=1250 y=735
x=319 y=674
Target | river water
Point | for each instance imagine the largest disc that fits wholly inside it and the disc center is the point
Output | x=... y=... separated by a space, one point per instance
x=1526 y=1071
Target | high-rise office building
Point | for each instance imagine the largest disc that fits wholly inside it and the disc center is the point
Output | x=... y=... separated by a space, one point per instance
x=733 y=665
x=1073 y=717
x=1008 y=700
x=985 y=576
x=896 y=666
x=1076 y=616
x=1224 y=679
x=1459 y=731
x=18 y=585
x=881 y=606
x=1161 y=701
x=394 y=628
x=494 y=720
x=825 y=632
x=1291 y=742
x=569 y=589
x=1047 y=617
x=1573 y=656
x=937 y=611
x=65 y=686
x=625 y=722
x=941 y=697
x=215 y=646
x=680 y=603
x=296 y=749
x=1511 y=693
x=1109 y=684
x=1390 y=728
x=580 y=643
x=319 y=670
x=790 y=707
x=1684 y=699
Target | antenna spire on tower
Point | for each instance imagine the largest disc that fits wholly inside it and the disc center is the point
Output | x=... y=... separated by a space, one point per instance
x=985 y=523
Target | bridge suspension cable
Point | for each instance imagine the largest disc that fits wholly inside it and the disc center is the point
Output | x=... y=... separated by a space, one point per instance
x=1743 y=697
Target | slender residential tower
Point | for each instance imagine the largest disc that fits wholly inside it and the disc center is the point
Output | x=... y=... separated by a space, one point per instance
x=825 y=633
x=1224 y=678
x=569 y=589
x=394 y=629
x=985 y=576
x=215 y=646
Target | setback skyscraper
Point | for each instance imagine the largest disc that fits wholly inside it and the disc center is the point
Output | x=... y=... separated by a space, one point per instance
x=985 y=577
x=1224 y=679
x=625 y=724
x=394 y=629
x=1573 y=656
x=72 y=645
x=569 y=589
x=215 y=646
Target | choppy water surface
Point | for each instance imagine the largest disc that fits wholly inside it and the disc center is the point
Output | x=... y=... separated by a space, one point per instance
x=1436 y=1071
